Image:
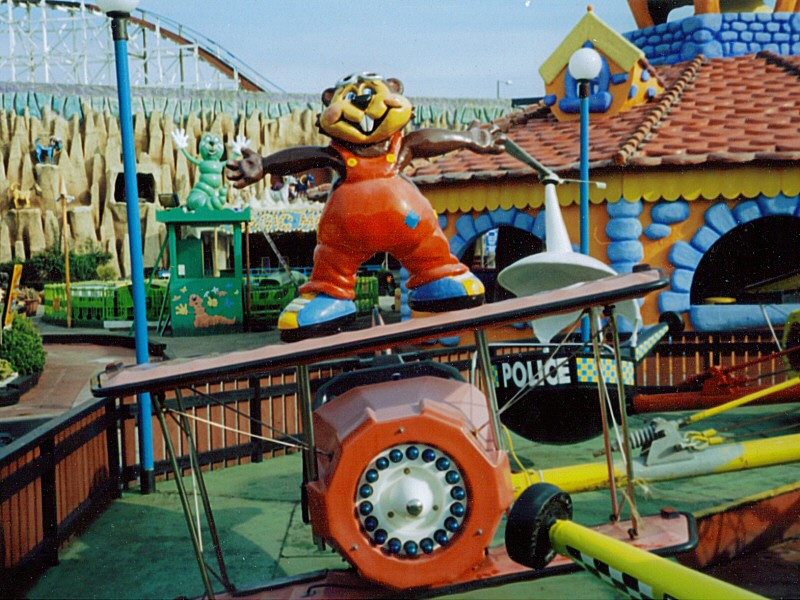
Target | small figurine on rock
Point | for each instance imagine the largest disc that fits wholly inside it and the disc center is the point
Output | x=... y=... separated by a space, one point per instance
x=372 y=207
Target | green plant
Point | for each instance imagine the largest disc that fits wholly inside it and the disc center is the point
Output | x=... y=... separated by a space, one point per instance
x=49 y=265
x=106 y=272
x=6 y=369
x=22 y=346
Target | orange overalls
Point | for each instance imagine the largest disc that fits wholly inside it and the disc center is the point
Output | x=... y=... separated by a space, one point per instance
x=376 y=209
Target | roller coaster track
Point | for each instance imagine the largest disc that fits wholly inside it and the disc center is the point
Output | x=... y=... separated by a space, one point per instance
x=68 y=42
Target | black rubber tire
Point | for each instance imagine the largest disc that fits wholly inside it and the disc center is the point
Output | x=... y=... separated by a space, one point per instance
x=528 y=526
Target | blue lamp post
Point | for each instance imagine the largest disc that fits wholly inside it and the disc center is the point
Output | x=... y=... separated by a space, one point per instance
x=119 y=11
x=585 y=65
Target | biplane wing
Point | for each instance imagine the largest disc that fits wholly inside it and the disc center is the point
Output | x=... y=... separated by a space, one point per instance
x=170 y=374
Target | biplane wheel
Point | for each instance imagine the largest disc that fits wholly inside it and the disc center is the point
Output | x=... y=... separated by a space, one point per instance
x=412 y=500
x=528 y=526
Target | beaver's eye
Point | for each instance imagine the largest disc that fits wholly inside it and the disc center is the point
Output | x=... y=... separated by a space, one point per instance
x=350 y=96
x=369 y=92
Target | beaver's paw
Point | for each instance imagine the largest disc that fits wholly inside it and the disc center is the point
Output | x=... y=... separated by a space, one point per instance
x=447 y=293
x=312 y=315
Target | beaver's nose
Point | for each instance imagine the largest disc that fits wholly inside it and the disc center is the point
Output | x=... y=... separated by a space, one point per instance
x=362 y=102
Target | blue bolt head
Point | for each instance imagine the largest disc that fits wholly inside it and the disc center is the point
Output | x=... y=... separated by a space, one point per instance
x=427 y=545
x=451 y=524
x=457 y=509
x=441 y=537
x=452 y=477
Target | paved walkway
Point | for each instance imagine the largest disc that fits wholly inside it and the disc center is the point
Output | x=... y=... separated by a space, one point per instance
x=75 y=355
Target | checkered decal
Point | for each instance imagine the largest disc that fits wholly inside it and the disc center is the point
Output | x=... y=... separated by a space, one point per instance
x=587 y=370
x=644 y=346
x=622 y=581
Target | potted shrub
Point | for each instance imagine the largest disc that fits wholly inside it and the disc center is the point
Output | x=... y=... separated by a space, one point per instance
x=30 y=298
x=22 y=347
x=8 y=394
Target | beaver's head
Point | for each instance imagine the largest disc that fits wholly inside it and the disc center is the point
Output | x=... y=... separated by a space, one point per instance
x=365 y=109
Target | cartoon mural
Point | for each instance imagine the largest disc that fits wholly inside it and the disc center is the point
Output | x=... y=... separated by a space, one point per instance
x=209 y=306
x=372 y=208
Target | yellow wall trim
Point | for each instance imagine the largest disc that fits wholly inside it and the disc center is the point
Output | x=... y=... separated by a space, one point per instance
x=748 y=181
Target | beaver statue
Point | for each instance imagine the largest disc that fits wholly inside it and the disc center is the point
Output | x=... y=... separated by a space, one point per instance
x=372 y=207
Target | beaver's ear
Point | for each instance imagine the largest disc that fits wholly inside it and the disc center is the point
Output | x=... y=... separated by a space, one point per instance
x=395 y=84
x=327 y=96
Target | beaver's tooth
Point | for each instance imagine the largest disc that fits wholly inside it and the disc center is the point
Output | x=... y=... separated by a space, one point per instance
x=367 y=123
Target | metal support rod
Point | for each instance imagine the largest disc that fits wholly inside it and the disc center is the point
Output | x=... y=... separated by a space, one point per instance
x=187 y=511
x=623 y=415
x=485 y=362
x=602 y=395
x=201 y=483
x=307 y=416
x=120 y=35
x=310 y=472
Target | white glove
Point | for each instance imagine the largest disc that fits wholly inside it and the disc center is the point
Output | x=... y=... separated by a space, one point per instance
x=181 y=138
x=239 y=143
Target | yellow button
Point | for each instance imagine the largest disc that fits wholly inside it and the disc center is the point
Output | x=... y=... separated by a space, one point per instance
x=352 y=162
x=391 y=157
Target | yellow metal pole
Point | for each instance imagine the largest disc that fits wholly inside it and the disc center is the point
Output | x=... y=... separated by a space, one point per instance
x=637 y=572
x=789 y=383
x=63 y=199
x=594 y=476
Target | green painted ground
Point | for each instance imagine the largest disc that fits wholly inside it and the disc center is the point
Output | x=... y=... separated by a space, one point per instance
x=140 y=548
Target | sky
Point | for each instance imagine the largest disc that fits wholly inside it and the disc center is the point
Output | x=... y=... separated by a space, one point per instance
x=438 y=48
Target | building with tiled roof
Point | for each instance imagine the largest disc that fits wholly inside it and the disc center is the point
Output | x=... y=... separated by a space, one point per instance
x=698 y=143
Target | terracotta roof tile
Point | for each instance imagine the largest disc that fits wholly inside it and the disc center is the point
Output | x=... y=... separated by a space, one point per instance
x=730 y=110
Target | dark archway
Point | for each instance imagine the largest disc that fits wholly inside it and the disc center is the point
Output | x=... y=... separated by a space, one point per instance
x=751 y=253
x=296 y=247
x=512 y=245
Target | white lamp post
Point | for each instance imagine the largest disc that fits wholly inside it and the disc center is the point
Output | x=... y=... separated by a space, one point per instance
x=506 y=82
x=119 y=11
x=585 y=65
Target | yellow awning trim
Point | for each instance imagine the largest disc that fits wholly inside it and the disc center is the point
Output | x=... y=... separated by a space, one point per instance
x=748 y=181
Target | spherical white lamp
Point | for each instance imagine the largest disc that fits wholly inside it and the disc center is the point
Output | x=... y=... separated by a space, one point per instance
x=117 y=6
x=585 y=64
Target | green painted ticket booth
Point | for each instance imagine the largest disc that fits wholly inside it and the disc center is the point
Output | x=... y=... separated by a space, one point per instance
x=200 y=302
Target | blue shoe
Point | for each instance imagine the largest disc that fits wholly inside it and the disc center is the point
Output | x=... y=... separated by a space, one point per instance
x=312 y=315
x=447 y=293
